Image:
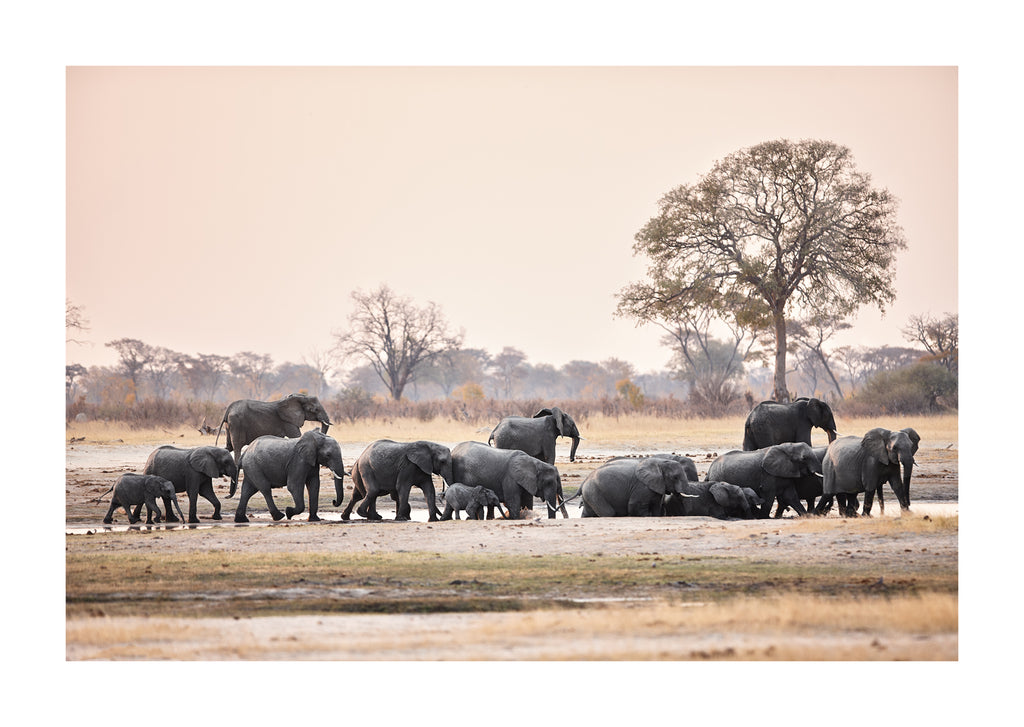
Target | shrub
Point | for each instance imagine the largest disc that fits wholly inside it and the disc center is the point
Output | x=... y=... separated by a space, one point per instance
x=924 y=388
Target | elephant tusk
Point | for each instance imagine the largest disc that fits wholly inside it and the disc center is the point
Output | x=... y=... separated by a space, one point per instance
x=683 y=494
x=818 y=474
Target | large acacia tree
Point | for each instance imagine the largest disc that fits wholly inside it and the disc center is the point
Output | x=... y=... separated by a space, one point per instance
x=397 y=338
x=771 y=230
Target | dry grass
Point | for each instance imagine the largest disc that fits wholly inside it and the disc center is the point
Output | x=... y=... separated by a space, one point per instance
x=907 y=522
x=599 y=431
x=787 y=627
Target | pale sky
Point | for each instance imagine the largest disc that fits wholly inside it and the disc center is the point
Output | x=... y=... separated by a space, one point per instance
x=217 y=210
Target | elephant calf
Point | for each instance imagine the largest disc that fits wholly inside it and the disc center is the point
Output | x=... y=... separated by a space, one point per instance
x=473 y=500
x=133 y=490
x=715 y=499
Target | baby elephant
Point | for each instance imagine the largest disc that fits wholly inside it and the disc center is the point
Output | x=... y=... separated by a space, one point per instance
x=715 y=499
x=137 y=490
x=471 y=499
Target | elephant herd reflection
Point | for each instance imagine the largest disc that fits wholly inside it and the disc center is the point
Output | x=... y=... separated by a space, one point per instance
x=777 y=467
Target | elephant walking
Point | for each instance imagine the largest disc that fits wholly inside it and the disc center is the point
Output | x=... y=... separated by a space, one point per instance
x=511 y=474
x=192 y=471
x=536 y=435
x=809 y=486
x=773 y=423
x=271 y=462
x=473 y=500
x=134 y=490
x=864 y=464
x=394 y=468
x=631 y=487
x=772 y=472
x=248 y=419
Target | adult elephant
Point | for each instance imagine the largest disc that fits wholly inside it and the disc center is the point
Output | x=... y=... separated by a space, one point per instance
x=394 y=468
x=864 y=464
x=536 y=435
x=719 y=500
x=192 y=471
x=808 y=487
x=137 y=490
x=688 y=465
x=248 y=419
x=773 y=423
x=511 y=474
x=771 y=472
x=633 y=488
x=271 y=462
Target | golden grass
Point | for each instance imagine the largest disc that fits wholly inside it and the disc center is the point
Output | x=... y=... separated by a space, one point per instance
x=599 y=431
x=907 y=522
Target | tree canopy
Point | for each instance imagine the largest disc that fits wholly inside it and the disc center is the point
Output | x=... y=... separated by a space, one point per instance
x=397 y=338
x=771 y=230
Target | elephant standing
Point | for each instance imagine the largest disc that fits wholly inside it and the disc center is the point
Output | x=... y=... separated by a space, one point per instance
x=271 y=462
x=715 y=499
x=688 y=466
x=808 y=487
x=511 y=474
x=192 y=471
x=387 y=467
x=772 y=423
x=133 y=490
x=631 y=487
x=248 y=419
x=536 y=435
x=771 y=472
x=865 y=464
x=474 y=500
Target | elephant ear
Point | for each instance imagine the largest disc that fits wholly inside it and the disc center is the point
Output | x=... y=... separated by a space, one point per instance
x=421 y=457
x=779 y=462
x=752 y=497
x=523 y=472
x=202 y=461
x=876 y=444
x=723 y=493
x=653 y=475
x=915 y=439
x=290 y=410
x=303 y=457
x=544 y=413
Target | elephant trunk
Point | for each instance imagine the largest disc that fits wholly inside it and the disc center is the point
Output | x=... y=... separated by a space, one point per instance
x=325 y=424
x=339 y=488
x=181 y=516
x=904 y=495
x=832 y=434
x=572 y=452
x=446 y=473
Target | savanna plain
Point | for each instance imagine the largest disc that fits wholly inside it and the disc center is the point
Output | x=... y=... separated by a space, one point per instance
x=615 y=589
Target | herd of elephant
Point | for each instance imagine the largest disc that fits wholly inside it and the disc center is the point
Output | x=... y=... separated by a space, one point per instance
x=266 y=449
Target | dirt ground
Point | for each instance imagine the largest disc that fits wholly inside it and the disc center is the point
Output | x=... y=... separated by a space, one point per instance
x=792 y=541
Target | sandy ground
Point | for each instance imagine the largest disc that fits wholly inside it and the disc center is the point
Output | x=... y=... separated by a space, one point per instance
x=92 y=468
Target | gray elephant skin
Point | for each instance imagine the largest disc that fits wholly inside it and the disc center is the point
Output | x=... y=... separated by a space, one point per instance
x=394 y=468
x=474 y=501
x=536 y=435
x=135 y=490
x=271 y=462
x=513 y=475
x=688 y=465
x=192 y=471
x=773 y=423
x=809 y=487
x=864 y=464
x=631 y=488
x=719 y=500
x=248 y=419
x=771 y=472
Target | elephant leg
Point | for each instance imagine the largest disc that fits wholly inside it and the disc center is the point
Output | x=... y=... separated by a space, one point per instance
x=368 y=508
x=297 y=498
x=271 y=505
x=403 y=510
x=206 y=491
x=869 y=496
x=824 y=505
x=881 y=501
x=248 y=490
x=427 y=488
x=109 y=517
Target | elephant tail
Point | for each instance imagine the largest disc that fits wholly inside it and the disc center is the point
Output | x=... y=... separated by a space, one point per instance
x=216 y=440
x=105 y=493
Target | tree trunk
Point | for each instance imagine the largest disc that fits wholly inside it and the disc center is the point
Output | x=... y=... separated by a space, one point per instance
x=781 y=393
